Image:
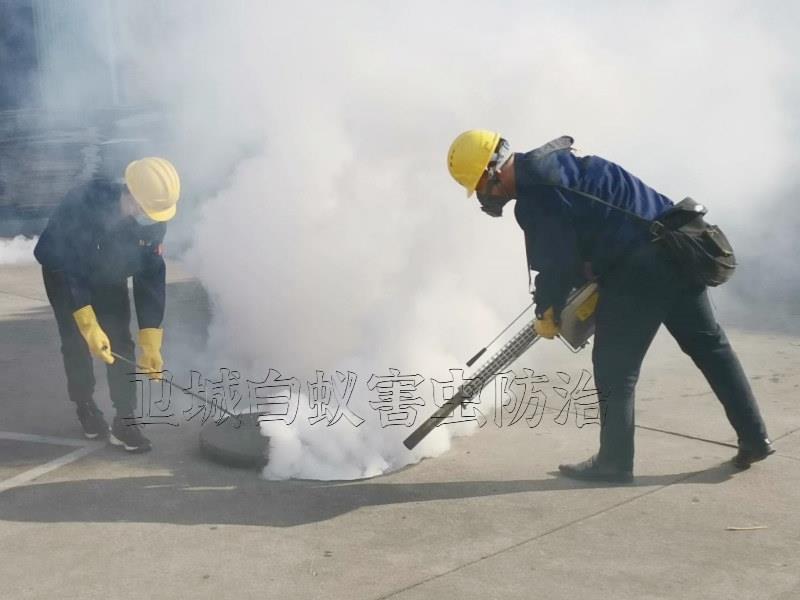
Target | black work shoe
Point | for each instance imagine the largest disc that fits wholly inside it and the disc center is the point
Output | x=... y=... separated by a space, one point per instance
x=128 y=434
x=752 y=452
x=593 y=470
x=92 y=420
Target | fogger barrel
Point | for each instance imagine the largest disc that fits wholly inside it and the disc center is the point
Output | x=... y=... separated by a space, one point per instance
x=577 y=326
x=510 y=352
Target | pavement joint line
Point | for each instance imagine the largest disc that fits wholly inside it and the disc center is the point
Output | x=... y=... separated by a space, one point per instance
x=788 y=433
x=687 y=436
x=676 y=433
x=538 y=536
x=43 y=300
x=787 y=456
x=42 y=439
x=36 y=472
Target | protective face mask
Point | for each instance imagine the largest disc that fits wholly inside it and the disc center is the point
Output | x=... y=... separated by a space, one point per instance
x=492 y=206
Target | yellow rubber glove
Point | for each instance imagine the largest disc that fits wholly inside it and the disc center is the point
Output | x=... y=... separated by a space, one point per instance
x=547 y=327
x=150 y=342
x=95 y=337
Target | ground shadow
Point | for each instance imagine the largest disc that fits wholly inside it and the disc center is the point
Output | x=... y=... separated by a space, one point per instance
x=201 y=493
x=185 y=488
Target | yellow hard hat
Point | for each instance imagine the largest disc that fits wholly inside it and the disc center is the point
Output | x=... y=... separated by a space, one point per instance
x=155 y=185
x=469 y=155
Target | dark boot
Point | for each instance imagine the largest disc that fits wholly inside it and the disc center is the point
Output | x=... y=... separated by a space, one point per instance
x=92 y=420
x=752 y=452
x=593 y=470
x=127 y=433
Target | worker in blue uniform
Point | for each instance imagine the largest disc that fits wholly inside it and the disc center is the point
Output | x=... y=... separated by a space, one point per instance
x=570 y=239
x=102 y=233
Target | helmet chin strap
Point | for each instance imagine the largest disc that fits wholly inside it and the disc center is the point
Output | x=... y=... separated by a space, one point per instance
x=143 y=220
x=493 y=205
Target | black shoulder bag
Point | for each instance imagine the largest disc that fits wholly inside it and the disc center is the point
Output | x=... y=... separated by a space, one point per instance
x=700 y=250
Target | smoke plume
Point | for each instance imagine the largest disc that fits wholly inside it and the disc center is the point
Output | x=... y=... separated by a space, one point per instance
x=311 y=137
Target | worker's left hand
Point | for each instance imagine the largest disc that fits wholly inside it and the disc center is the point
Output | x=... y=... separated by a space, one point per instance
x=546 y=325
x=150 y=343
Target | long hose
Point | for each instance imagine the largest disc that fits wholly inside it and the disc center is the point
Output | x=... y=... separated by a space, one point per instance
x=177 y=387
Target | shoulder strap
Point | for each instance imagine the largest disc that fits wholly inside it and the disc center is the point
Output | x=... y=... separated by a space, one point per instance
x=653 y=227
x=601 y=201
x=561 y=143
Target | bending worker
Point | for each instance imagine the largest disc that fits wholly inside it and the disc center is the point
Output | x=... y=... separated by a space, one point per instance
x=570 y=239
x=99 y=235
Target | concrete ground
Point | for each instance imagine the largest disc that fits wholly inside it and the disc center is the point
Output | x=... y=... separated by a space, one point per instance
x=489 y=519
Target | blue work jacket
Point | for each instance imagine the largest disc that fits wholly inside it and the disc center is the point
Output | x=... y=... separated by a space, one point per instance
x=564 y=230
x=92 y=243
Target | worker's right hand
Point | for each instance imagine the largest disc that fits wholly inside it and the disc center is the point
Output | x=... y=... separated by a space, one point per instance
x=151 y=361
x=96 y=338
x=546 y=325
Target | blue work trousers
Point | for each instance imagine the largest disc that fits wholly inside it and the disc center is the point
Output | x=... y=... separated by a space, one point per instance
x=112 y=308
x=643 y=292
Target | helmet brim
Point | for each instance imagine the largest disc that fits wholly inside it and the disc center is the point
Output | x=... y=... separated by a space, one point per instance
x=161 y=215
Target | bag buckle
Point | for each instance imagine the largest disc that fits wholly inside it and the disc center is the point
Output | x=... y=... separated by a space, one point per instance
x=657 y=228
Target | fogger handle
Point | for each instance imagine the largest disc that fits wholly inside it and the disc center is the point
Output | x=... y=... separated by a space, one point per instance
x=577 y=325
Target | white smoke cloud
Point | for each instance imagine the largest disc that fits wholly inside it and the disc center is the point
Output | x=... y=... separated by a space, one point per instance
x=339 y=241
x=17 y=250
